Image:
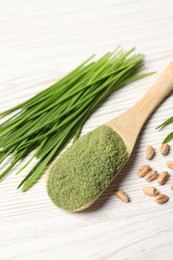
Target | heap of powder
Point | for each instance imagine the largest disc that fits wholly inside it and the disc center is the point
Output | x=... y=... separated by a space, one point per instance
x=86 y=168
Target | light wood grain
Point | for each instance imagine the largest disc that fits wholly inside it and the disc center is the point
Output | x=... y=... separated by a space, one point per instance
x=42 y=40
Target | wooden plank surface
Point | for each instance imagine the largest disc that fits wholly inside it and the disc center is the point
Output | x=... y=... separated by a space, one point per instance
x=42 y=40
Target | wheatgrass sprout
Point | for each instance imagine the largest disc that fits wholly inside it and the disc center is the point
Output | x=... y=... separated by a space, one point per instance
x=169 y=137
x=47 y=122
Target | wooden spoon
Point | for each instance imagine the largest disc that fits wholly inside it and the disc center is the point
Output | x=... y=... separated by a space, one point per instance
x=129 y=124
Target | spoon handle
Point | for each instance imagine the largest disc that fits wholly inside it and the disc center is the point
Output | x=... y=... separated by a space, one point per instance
x=155 y=95
x=129 y=124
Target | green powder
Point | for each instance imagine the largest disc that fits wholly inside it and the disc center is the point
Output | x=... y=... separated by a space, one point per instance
x=86 y=168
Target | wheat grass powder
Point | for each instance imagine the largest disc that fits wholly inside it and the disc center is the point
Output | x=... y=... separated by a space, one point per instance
x=85 y=169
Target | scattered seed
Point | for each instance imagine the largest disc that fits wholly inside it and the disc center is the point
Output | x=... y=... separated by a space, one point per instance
x=161 y=198
x=170 y=164
x=163 y=177
x=150 y=191
x=172 y=185
x=150 y=152
x=122 y=195
x=143 y=170
x=164 y=149
x=151 y=176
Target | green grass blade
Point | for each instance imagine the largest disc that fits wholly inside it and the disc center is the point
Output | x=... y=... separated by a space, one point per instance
x=165 y=123
x=168 y=138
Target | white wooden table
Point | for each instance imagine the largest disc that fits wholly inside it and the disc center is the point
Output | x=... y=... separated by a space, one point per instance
x=40 y=41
